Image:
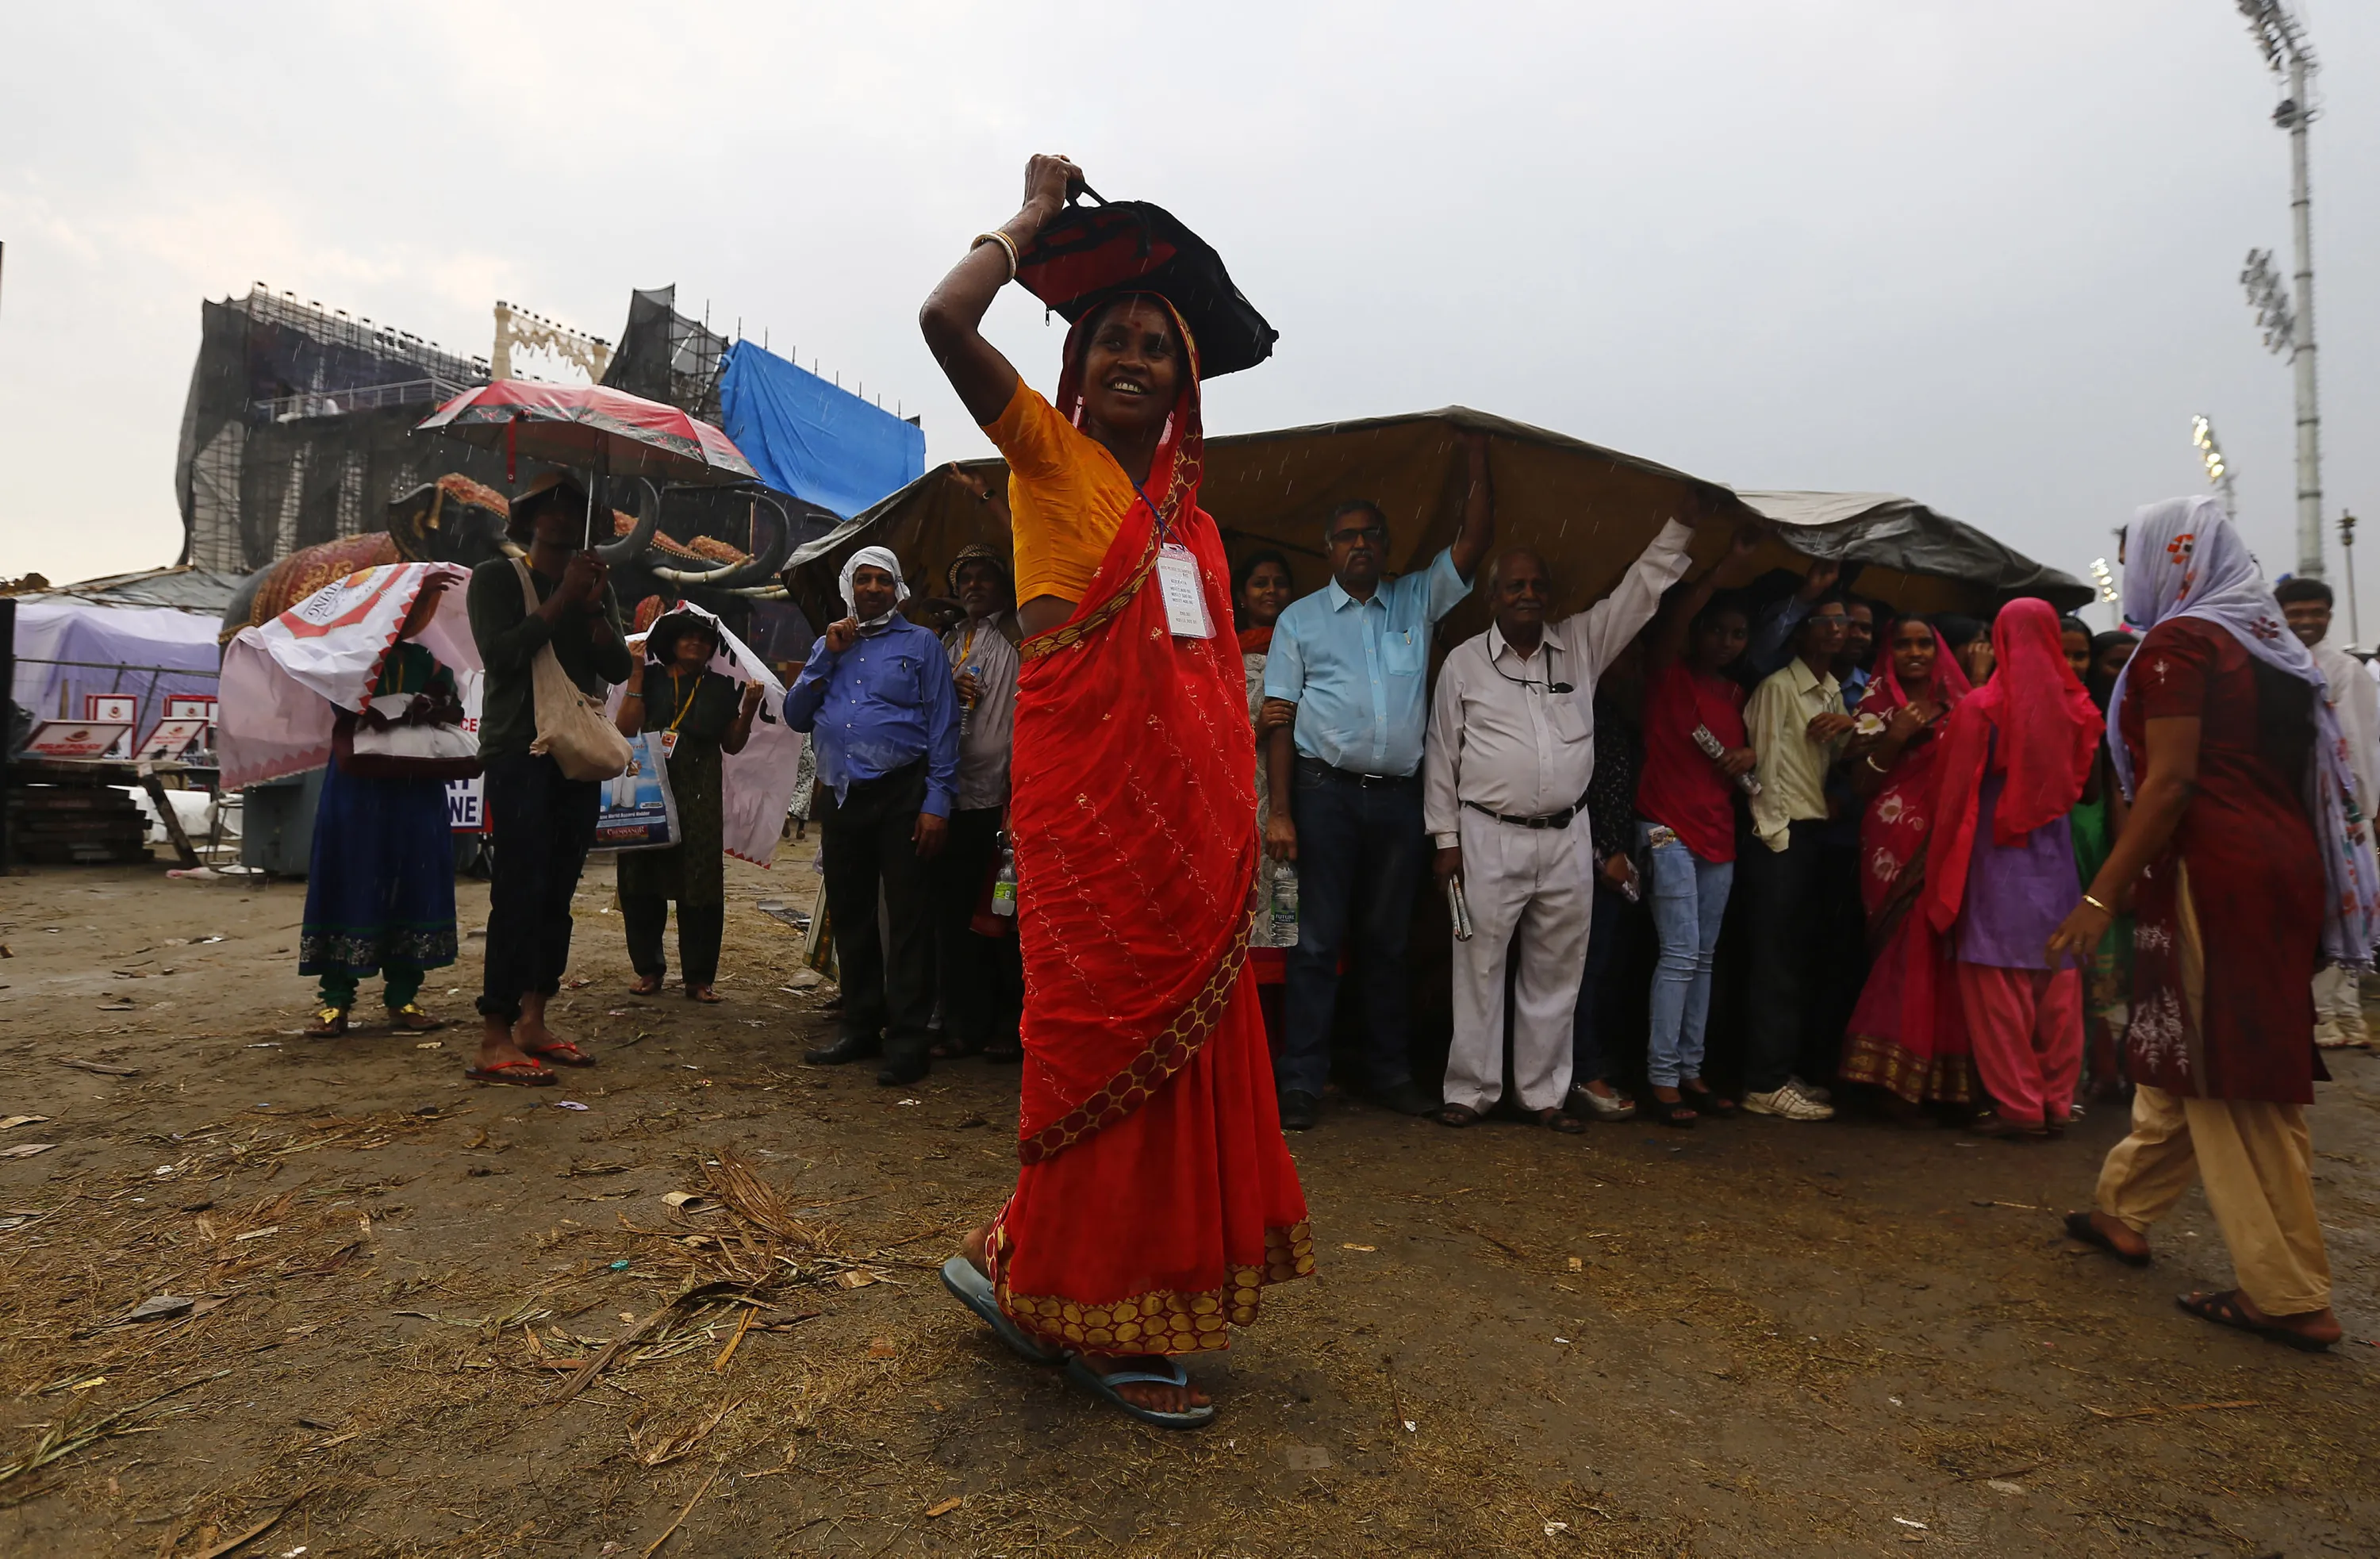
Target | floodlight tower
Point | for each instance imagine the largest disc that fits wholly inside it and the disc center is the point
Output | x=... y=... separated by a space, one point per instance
x=2291 y=57
x=2210 y=455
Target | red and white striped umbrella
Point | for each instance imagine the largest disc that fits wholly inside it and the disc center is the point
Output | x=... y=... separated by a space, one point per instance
x=609 y=433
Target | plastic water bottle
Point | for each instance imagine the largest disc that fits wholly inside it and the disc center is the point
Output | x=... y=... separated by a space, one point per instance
x=1004 y=881
x=1284 y=905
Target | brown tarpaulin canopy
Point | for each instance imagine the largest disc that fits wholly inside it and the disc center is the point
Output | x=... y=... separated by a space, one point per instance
x=1589 y=511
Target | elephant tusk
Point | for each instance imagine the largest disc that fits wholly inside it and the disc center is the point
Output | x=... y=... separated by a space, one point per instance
x=762 y=592
x=632 y=545
x=694 y=576
x=762 y=566
x=512 y=548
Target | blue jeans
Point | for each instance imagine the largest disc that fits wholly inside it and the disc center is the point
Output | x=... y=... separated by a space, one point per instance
x=1359 y=855
x=1688 y=901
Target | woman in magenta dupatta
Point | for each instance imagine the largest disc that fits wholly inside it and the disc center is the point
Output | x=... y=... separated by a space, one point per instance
x=1908 y=1035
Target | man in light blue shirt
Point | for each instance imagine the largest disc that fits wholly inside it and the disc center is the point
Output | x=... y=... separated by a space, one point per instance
x=1353 y=660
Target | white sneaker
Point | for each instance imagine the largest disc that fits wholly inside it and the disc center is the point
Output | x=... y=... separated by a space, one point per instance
x=1603 y=1108
x=1812 y=1091
x=1788 y=1103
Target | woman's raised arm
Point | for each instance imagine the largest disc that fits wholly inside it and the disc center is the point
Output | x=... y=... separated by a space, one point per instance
x=953 y=311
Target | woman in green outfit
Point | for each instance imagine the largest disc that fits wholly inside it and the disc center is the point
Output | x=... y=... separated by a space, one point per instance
x=379 y=892
x=2107 y=982
x=702 y=718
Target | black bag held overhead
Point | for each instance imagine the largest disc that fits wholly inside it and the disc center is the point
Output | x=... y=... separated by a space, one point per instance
x=1087 y=254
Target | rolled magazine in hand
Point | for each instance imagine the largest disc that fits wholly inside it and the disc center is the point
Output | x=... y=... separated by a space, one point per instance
x=1710 y=745
x=1459 y=908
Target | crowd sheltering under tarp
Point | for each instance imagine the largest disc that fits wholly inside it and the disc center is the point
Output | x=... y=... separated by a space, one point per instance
x=1588 y=510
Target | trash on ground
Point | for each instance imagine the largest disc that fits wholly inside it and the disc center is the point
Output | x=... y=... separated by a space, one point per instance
x=933 y=1511
x=26 y=1150
x=568 y=1104
x=160 y=1307
x=101 y=1068
x=12 y=1122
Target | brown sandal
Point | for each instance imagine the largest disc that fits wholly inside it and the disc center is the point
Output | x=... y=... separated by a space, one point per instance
x=331 y=1023
x=1455 y=1115
x=646 y=985
x=412 y=1019
x=2225 y=1309
x=1557 y=1119
x=704 y=995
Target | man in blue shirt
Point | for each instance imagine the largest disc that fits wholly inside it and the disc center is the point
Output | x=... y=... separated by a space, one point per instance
x=875 y=696
x=1353 y=659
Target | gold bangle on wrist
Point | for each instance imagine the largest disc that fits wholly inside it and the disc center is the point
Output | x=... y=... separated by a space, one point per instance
x=2102 y=908
x=1007 y=245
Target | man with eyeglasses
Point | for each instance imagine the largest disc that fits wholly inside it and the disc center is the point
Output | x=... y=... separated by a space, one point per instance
x=1511 y=749
x=1797 y=727
x=1352 y=659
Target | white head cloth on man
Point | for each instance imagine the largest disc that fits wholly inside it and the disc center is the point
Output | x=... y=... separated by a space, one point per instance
x=2184 y=558
x=874 y=557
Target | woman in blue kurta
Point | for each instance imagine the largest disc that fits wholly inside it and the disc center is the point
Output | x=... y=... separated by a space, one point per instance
x=380 y=886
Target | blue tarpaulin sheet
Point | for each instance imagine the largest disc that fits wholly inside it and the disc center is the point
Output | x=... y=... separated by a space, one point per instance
x=808 y=437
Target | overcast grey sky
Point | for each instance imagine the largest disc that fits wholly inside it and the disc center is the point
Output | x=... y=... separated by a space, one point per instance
x=1984 y=255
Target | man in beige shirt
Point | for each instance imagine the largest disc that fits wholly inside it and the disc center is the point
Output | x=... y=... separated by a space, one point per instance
x=1797 y=725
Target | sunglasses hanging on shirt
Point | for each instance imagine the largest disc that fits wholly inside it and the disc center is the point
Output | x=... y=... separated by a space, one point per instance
x=1533 y=687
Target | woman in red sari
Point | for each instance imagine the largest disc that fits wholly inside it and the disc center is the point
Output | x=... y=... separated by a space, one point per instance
x=1156 y=1199
x=1908 y=1036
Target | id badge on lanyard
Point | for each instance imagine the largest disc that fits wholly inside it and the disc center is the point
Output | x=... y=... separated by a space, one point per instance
x=669 y=742
x=1186 y=600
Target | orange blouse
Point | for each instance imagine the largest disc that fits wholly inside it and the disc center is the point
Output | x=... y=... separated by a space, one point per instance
x=1066 y=497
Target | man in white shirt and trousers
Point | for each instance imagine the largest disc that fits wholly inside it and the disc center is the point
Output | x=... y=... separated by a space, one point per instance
x=1510 y=749
x=2337 y=992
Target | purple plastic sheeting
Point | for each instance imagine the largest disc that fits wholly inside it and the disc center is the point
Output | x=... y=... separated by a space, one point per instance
x=118 y=643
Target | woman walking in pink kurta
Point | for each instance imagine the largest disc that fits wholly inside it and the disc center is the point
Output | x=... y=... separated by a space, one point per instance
x=2000 y=868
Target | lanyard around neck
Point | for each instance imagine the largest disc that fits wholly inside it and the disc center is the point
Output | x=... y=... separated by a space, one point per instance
x=686 y=703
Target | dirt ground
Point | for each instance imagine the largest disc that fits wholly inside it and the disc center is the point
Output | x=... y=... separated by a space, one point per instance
x=1752 y=1339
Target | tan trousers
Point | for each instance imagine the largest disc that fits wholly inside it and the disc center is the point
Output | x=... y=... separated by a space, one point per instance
x=2338 y=1006
x=2256 y=1162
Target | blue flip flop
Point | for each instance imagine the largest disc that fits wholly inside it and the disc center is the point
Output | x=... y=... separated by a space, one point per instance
x=971 y=1288
x=1163 y=1373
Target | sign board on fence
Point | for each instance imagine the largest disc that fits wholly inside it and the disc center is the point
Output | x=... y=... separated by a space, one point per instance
x=191 y=706
x=121 y=707
x=467 y=799
x=170 y=739
x=76 y=739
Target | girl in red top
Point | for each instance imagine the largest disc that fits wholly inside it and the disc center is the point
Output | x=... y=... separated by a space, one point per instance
x=1686 y=802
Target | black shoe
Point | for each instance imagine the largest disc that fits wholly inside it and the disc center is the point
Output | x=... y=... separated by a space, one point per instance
x=851 y=1047
x=1408 y=1098
x=1300 y=1110
x=899 y=1074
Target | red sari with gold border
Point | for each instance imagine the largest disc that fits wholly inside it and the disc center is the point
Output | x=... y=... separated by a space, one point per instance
x=1156 y=1198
